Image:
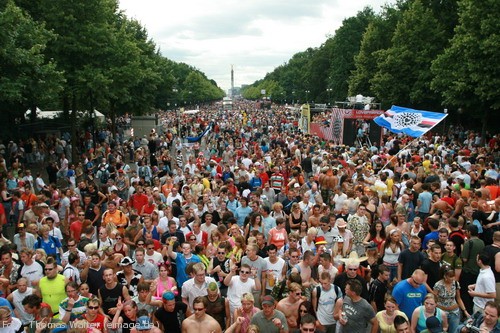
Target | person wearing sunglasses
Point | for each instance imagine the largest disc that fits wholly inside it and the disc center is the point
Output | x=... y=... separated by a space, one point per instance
x=307 y=324
x=200 y=321
x=410 y=293
x=52 y=285
x=290 y=304
x=94 y=317
x=245 y=282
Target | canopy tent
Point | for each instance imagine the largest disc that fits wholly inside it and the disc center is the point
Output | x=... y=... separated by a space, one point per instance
x=191 y=111
x=53 y=114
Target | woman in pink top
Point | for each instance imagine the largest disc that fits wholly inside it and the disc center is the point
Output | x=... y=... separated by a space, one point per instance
x=278 y=235
x=164 y=282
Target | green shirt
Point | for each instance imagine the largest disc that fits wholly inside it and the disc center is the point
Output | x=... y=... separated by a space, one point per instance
x=471 y=249
x=454 y=261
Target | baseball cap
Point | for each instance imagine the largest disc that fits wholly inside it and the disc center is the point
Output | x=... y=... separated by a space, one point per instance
x=433 y=325
x=268 y=300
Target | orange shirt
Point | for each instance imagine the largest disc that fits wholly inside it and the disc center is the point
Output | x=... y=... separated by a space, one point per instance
x=494 y=191
x=29 y=200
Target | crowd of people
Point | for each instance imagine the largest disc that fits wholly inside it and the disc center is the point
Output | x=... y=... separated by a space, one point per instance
x=255 y=228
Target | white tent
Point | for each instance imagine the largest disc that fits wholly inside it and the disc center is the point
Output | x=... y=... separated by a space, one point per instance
x=191 y=111
x=53 y=114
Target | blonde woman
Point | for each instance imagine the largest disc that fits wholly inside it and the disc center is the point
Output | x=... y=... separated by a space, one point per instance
x=307 y=243
x=246 y=311
x=384 y=322
x=296 y=216
x=278 y=211
x=429 y=309
x=214 y=244
x=9 y=323
x=40 y=255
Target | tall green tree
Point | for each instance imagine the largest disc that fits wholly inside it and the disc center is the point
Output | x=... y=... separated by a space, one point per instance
x=404 y=75
x=467 y=74
x=345 y=46
x=27 y=76
x=377 y=37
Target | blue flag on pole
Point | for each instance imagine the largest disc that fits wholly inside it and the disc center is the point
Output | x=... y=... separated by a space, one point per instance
x=193 y=139
x=411 y=122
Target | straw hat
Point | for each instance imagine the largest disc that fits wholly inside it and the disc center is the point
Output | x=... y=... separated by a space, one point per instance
x=353 y=258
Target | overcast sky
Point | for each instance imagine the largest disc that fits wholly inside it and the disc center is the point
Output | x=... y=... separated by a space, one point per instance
x=255 y=36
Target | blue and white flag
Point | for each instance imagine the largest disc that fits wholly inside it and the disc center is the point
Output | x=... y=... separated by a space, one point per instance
x=193 y=139
x=411 y=122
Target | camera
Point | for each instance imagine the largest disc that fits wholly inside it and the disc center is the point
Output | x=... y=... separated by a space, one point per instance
x=472 y=328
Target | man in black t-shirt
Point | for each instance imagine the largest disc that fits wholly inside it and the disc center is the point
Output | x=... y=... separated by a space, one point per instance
x=170 y=316
x=219 y=268
x=410 y=259
x=431 y=266
x=378 y=288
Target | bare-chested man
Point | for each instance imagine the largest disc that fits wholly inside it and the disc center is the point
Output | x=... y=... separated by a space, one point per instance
x=200 y=322
x=304 y=269
x=290 y=305
x=327 y=180
x=315 y=216
x=445 y=204
x=459 y=203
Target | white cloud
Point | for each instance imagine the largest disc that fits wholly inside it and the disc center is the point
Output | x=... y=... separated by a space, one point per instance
x=255 y=36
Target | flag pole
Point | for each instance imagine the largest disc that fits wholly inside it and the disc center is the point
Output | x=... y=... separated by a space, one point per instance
x=392 y=157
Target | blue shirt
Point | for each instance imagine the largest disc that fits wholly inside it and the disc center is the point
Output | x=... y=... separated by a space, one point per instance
x=51 y=246
x=269 y=223
x=182 y=263
x=408 y=297
x=428 y=237
x=232 y=205
x=241 y=214
x=425 y=199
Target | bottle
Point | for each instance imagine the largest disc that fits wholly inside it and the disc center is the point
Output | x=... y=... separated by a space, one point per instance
x=344 y=316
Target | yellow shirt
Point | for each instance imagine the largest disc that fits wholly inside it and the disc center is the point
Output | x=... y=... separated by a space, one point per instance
x=53 y=291
x=383 y=326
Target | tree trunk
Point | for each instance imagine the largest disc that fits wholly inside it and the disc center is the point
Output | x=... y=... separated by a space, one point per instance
x=112 y=115
x=73 y=129
x=485 y=124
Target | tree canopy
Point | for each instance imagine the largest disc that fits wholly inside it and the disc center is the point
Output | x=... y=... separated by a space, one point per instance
x=87 y=55
x=415 y=53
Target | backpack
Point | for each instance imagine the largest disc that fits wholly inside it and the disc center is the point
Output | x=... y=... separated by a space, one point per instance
x=83 y=242
x=337 y=290
x=71 y=278
x=104 y=176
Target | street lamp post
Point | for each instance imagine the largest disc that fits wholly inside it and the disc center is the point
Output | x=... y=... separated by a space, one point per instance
x=444 y=122
x=293 y=97
x=307 y=96
x=329 y=90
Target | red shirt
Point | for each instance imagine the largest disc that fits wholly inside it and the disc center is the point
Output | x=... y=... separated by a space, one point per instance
x=97 y=323
x=137 y=201
x=148 y=209
x=76 y=227
x=449 y=200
